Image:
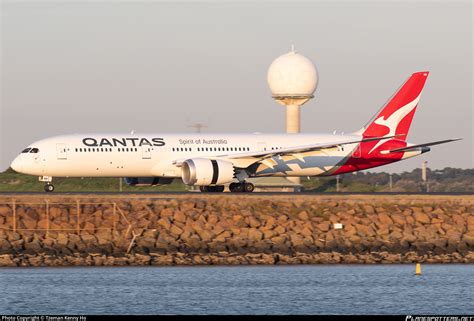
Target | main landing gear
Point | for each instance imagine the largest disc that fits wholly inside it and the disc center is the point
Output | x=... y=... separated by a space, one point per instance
x=241 y=187
x=244 y=187
x=212 y=189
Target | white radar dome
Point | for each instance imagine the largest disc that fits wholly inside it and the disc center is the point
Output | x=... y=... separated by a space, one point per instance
x=292 y=75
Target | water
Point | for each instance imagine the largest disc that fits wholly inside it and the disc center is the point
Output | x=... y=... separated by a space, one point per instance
x=321 y=289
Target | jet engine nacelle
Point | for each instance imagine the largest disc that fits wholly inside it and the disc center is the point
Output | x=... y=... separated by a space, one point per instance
x=147 y=181
x=203 y=172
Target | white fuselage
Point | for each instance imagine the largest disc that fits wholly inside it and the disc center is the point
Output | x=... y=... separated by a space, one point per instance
x=157 y=155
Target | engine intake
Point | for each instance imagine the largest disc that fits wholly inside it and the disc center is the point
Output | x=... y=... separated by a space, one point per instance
x=203 y=172
x=147 y=181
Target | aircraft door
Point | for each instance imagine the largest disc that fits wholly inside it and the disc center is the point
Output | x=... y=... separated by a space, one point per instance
x=146 y=152
x=61 y=151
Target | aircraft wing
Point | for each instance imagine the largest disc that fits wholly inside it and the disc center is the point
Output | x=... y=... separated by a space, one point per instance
x=415 y=147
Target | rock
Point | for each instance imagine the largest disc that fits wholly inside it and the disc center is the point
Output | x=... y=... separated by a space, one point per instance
x=89 y=227
x=33 y=246
x=427 y=209
x=270 y=221
x=5 y=210
x=42 y=224
x=7 y=260
x=437 y=211
x=36 y=260
x=363 y=230
x=280 y=230
x=306 y=232
x=268 y=234
x=62 y=239
x=384 y=219
x=103 y=237
x=398 y=219
x=278 y=240
x=469 y=238
x=253 y=222
x=237 y=218
x=368 y=209
x=161 y=259
x=29 y=224
x=179 y=217
x=470 y=223
x=145 y=242
x=88 y=238
x=303 y=216
x=17 y=245
x=323 y=227
x=164 y=222
x=421 y=218
x=255 y=235
x=13 y=236
x=212 y=219
x=167 y=212
x=458 y=220
x=175 y=230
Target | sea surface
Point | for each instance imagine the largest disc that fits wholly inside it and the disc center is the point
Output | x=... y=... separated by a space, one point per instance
x=304 y=289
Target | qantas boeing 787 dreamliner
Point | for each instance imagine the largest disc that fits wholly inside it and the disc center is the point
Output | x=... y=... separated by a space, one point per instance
x=212 y=160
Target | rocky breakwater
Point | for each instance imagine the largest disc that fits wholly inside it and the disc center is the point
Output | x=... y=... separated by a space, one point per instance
x=231 y=230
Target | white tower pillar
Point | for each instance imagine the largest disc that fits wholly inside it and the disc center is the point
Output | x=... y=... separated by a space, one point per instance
x=293 y=119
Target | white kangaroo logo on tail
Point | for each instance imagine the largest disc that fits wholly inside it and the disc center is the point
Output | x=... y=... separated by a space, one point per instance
x=394 y=119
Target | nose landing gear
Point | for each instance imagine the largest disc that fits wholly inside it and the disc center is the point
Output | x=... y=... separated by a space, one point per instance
x=48 y=187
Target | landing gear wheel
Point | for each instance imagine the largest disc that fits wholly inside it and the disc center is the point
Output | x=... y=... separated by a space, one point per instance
x=236 y=187
x=248 y=187
x=211 y=189
x=48 y=188
x=219 y=188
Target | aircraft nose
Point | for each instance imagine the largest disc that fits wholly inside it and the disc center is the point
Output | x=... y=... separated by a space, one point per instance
x=17 y=164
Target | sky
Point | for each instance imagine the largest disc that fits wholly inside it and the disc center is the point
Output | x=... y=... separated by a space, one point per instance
x=155 y=66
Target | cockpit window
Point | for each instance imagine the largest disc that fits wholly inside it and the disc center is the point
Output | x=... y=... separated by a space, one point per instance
x=26 y=150
x=34 y=150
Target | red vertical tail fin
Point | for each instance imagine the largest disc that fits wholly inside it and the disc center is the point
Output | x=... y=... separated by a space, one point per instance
x=395 y=117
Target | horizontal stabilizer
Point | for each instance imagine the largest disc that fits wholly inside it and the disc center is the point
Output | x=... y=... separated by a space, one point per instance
x=416 y=147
